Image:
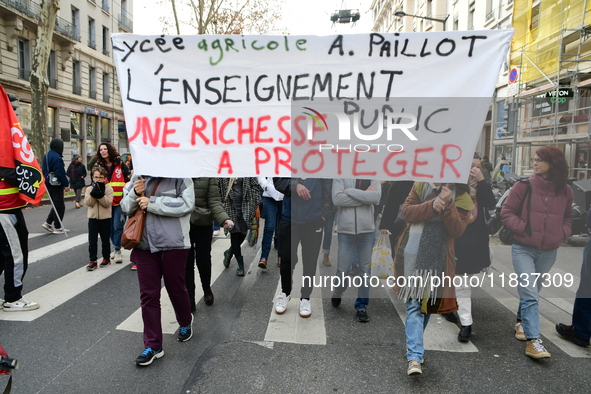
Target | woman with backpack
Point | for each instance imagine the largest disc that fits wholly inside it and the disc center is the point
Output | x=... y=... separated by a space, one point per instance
x=539 y=212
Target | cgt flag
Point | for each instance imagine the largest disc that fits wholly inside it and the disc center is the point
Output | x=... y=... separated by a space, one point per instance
x=16 y=153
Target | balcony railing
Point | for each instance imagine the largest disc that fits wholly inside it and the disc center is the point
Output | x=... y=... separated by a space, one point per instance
x=106 y=6
x=32 y=10
x=23 y=73
x=92 y=43
x=106 y=98
x=76 y=89
x=53 y=83
x=490 y=15
x=92 y=94
x=125 y=21
x=106 y=52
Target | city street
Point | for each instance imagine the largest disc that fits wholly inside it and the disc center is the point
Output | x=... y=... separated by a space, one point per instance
x=87 y=332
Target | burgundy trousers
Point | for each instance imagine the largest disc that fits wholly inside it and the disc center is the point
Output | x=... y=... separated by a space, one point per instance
x=151 y=268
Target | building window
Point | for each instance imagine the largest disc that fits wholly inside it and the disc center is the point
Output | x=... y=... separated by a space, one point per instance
x=489 y=10
x=429 y=8
x=52 y=70
x=105 y=40
x=456 y=24
x=471 y=19
x=106 y=6
x=92 y=83
x=24 y=59
x=76 y=78
x=105 y=132
x=91 y=33
x=106 y=88
x=76 y=21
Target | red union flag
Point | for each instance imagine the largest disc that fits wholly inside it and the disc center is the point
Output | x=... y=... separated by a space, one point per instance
x=16 y=153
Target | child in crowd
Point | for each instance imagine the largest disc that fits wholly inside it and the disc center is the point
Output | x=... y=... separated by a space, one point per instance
x=98 y=198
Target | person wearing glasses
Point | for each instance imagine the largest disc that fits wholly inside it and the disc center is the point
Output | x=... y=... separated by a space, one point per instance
x=98 y=198
x=539 y=212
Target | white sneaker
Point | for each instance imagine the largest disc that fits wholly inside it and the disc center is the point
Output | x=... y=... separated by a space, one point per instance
x=305 y=308
x=48 y=227
x=281 y=304
x=117 y=257
x=414 y=368
x=216 y=233
x=20 y=305
x=112 y=255
x=61 y=231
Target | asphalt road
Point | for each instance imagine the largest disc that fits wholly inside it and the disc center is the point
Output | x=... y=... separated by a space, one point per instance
x=85 y=339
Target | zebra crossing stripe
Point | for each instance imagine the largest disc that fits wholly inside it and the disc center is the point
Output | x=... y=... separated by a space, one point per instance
x=57 y=248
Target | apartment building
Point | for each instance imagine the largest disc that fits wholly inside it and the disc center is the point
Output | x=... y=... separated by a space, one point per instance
x=457 y=15
x=84 y=104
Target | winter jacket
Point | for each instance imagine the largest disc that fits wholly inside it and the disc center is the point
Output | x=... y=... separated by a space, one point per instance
x=356 y=206
x=472 y=247
x=251 y=197
x=77 y=173
x=208 y=204
x=455 y=220
x=269 y=189
x=550 y=215
x=168 y=213
x=99 y=208
x=53 y=162
x=296 y=209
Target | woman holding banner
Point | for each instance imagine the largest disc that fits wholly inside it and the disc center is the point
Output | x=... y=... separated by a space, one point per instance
x=241 y=197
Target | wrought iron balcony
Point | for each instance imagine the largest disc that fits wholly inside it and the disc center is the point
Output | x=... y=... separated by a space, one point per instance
x=125 y=21
x=76 y=89
x=92 y=94
x=53 y=83
x=92 y=43
x=23 y=73
x=106 y=98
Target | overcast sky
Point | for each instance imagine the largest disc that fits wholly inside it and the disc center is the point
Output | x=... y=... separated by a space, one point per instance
x=299 y=17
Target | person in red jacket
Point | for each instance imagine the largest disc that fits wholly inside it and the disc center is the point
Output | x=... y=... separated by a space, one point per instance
x=539 y=212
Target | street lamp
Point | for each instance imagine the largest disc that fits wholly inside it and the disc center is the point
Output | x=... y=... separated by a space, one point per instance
x=401 y=14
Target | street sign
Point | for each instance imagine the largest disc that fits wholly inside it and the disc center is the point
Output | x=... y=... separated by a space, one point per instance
x=513 y=75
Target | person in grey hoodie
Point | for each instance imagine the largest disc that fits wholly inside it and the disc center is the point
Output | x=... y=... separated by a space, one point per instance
x=355 y=199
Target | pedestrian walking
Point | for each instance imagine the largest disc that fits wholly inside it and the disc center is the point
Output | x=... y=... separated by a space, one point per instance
x=472 y=248
x=13 y=244
x=77 y=174
x=355 y=199
x=98 y=198
x=539 y=212
x=56 y=184
x=437 y=215
x=306 y=205
x=117 y=175
x=161 y=254
x=208 y=206
x=272 y=205
x=579 y=332
x=241 y=199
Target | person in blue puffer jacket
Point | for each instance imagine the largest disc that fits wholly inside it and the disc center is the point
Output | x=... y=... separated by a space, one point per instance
x=54 y=163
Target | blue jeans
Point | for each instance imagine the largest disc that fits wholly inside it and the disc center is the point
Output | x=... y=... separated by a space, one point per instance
x=416 y=322
x=216 y=225
x=272 y=216
x=328 y=225
x=351 y=246
x=116 y=226
x=528 y=260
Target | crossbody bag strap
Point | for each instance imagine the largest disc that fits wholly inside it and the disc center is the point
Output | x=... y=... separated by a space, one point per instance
x=230 y=184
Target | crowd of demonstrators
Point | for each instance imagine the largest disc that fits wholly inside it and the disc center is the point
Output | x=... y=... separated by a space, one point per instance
x=272 y=203
x=57 y=183
x=98 y=197
x=208 y=206
x=355 y=199
x=241 y=199
x=161 y=254
x=13 y=243
x=437 y=214
x=539 y=212
x=117 y=175
x=307 y=202
x=77 y=174
x=472 y=247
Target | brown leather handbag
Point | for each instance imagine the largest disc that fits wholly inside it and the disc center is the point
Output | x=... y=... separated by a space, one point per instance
x=134 y=227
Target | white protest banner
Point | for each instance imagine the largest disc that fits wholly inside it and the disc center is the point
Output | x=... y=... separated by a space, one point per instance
x=380 y=105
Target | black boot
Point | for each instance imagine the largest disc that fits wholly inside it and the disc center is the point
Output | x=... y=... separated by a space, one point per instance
x=227 y=257
x=208 y=296
x=451 y=317
x=464 y=335
x=240 y=268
